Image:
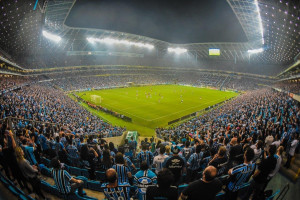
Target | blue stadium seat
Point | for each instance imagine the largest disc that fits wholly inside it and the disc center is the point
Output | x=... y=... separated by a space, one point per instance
x=45 y=161
x=84 y=179
x=46 y=171
x=100 y=175
x=94 y=185
x=181 y=188
x=75 y=171
x=85 y=172
x=273 y=195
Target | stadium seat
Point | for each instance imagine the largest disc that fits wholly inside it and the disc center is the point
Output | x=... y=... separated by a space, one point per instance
x=94 y=185
x=273 y=195
x=46 y=171
x=181 y=188
x=100 y=175
x=75 y=171
x=85 y=172
x=45 y=161
x=84 y=179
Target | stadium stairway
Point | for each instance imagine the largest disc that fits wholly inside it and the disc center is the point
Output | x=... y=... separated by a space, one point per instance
x=293 y=172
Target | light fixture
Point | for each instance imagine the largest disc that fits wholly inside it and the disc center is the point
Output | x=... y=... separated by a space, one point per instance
x=177 y=50
x=124 y=42
x=252 y=51
x=51 y=36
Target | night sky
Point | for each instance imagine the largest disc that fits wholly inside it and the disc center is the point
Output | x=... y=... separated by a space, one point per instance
x=186 y=21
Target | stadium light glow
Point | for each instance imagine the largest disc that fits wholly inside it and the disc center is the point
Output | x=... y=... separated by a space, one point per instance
x=252 y=51
x=124 y=42
x=177 y=50
x=260 y=22
x=51 y=36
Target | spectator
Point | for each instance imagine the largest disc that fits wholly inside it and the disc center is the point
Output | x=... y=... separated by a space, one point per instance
x=220 y=161
x=176 y=165
x=165 y=178
x=88 y=157
x=260 y=177
x=123 y=171
x=115 y=190
x=160 y=159
x=143 y=179
x=30 y=172
x=205 y=188
x=194 y=164
x=292 y=145
x=145 y=155
x=63 y=181
x=239 y=175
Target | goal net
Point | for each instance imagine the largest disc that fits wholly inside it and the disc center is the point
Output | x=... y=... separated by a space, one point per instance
x=96 y=99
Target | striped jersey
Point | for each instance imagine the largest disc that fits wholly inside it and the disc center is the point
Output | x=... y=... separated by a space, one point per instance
x=145 y=156
x=122 y=173
x=240 y=175
x=194 y=161
x=121 y=192
x=142 y=180
x=62 y=180
x=72 y=151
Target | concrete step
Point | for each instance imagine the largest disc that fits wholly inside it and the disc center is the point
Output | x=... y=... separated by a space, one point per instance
x=289 y=173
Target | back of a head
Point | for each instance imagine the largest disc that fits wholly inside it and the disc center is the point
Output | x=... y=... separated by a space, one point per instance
x=162 y=149
x=144 y=166
x=121 y=149
x=144 y=147
x=55 y=163
x=272 y=149
x=187 y=144
x=111 y=175
x=249 y=154
x=259 y=144
x=222 y=151
x=119 y=158
x=210 y=173
x=198 y=149
x=165 y=178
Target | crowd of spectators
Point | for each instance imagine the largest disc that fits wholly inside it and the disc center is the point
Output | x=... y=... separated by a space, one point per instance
x=244 y=138
x=289 y=86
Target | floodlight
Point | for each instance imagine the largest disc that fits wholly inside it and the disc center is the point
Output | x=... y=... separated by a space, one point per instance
x=252 y=51
x=51 y=36
x=112 y=41
x=177 y=50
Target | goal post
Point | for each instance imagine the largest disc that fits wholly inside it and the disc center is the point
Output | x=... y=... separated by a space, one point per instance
x=96 y=99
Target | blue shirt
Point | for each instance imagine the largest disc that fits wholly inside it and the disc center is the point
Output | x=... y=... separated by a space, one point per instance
x=122 y=173
x=43 y=141
x=194 y=161
x=116 y=193
x=62 y=180
x=240 y=175
x=73 y=152
x=145 y=156
x=142 y=180
x=29 y=155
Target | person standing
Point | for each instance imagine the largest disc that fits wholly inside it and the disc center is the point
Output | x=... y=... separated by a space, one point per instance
x=291 y=149
x=159 y=159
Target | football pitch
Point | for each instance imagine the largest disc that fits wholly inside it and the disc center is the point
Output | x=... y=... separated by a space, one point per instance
x=152 y=106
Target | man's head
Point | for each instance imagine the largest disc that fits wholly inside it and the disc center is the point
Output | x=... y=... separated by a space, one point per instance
x=144 y=147
x=175 y=150
x=222 y=151
x=162 y=149
x=198 y=149
x=209 y=173
x=144 y=166
x=119 y=158
x=111 y=175
x=249 y=154
x=165 y=178
x=272 y=150
x=55 y=163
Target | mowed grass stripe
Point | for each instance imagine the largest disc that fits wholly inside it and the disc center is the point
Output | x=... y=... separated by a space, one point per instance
x=163 y=106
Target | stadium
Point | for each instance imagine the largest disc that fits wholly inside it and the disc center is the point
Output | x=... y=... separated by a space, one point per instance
x=149 y=100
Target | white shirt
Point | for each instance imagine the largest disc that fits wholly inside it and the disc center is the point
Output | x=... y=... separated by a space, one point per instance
x=276 y=143
x=277 y=167
x=158 y=162
x=293 y=147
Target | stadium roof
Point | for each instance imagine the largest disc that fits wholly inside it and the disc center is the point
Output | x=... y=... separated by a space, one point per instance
x=269 y=25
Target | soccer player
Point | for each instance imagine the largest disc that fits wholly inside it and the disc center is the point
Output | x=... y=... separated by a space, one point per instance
x=145 y=155
x=240 y=174
x=114 y=190
x=159 y=159
x=143 y=179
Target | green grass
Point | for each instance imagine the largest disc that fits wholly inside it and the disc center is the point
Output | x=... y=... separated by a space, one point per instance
x=155 y=110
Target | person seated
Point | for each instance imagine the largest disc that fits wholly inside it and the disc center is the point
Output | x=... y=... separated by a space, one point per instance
x=206 y=188
x=64 y=182
x=143 y=179
x=165 y=178
x=113 y=190
x=220 y=161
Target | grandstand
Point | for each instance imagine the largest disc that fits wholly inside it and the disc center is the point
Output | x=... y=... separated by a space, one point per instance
x=117 y=99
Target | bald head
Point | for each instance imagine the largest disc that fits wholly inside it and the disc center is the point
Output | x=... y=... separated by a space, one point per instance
x=111 y=175
x=209 y=173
